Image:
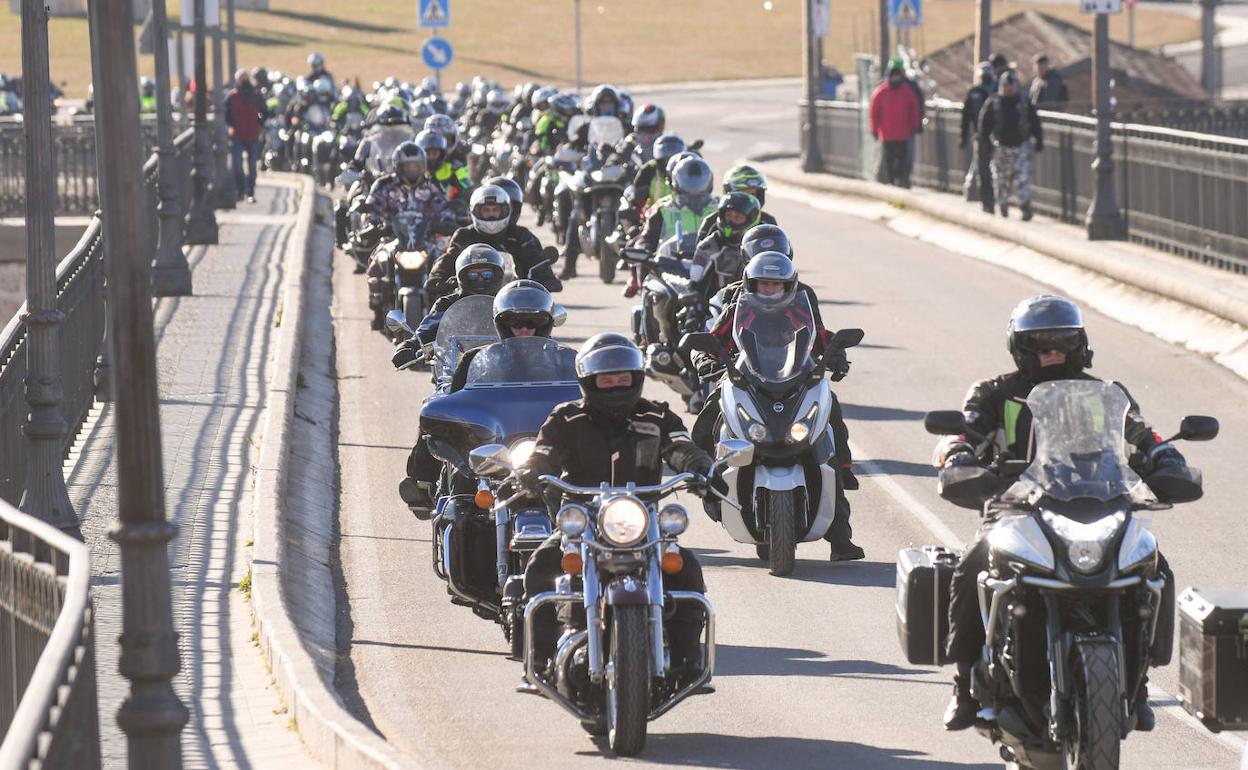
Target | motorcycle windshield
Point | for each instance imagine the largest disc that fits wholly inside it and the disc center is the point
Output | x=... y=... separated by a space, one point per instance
x=384 y=140
x=409 y=227
x=1080 y=444
x=523 y=361
x=605 y=130
x=316 y=115
x=467 y=324
x=775 y=341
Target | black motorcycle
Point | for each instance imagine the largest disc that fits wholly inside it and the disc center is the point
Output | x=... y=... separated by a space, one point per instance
x=404 y=262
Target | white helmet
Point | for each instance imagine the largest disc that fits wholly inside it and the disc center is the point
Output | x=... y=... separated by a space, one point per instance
x=493 y=196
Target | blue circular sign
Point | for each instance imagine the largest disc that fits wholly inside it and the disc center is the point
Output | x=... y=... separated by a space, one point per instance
x=437 y=53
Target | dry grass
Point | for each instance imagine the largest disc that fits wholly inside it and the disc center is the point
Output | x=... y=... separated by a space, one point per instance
x=625 y=41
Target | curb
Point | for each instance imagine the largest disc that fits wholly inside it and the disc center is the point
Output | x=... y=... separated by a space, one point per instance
x=330 y=734
x=1175 y=278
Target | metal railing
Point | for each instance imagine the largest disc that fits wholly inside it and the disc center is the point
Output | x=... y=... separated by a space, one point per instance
x=1182 y=192
x=48 y=712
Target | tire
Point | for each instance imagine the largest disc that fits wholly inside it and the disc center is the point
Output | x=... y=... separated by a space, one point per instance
x=763 y=550
x=1095 y=738
x=517 y=634
x=606 y=264
x=628 y=689
x=782 y=542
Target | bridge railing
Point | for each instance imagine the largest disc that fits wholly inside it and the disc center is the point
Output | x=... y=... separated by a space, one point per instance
x=48 y=709
x=1179 y=191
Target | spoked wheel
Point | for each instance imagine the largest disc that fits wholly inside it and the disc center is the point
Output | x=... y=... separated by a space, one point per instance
x=1094 y=744
x=782 y=551
x=628 y=681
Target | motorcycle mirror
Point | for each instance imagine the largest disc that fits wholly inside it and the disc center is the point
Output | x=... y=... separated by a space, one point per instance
x=735 y=452
x=696 y=145
x=397 y=322
x=490 y=460
x=560 y=315
x=847 y=338
x=1198 y=427
x=635 y=255
x=945 y=423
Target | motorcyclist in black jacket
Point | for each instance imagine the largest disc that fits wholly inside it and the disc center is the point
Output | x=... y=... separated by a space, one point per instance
x=1048 y=341
x=613 y=435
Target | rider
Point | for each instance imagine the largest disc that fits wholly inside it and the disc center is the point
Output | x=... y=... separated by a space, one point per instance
x=651 y=183
x=552 y=127
x=773 y=276
x=495 y=216
x=1048 y=341
x=648 y=125
x=746 y=179
x=614 y=435
x=147 y=95
x=719 y=252
x=316 y=69
x=454 y=180
x=604 y=101
x=351 y=103
x=688 y=204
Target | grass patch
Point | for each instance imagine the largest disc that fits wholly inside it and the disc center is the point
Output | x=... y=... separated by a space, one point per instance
x=624 y=41
x=244 y=585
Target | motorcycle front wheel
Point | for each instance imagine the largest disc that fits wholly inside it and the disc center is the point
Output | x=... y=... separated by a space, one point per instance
x=1093 y=742
x=782 y=542
x=628 y=686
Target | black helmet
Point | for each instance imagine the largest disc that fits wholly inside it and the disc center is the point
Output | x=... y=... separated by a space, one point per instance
x=762 y=238
x=604 y=93
x=514 y=194
x=651 y=120
x=490 y=195
x=565 y=105
x=409 y=162
x=775 y=267
x=392 y=115
x=524 y=303
x=1045 y=323
x=434 y=146
x=742 y=204
x=666 y=147
x=471 y=270
x=610 y=353
x=540 y=100
x=692 y=181
x=444 y=125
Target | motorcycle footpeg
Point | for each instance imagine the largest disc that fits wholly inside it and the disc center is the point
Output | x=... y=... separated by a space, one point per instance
x=527 y=688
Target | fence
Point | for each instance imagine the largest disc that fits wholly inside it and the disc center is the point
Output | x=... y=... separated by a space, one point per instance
x=48 y=712
x=1179 y=191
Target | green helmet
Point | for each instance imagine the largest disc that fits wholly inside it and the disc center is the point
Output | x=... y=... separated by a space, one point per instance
x=746 y=178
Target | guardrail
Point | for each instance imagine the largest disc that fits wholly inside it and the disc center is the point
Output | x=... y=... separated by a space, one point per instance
x=1182 y=192
x=48 y=712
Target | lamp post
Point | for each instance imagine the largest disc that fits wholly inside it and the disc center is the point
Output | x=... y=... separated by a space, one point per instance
x=885 y=55
x=171 y=275
x=983 y=29
x=1209 y=75
x=233 y=41
x=812 y=157
x=224 y=191
x=577 y=3
x=1104 y=219
x=151 y=715
x=44 y=496
x=201 y=228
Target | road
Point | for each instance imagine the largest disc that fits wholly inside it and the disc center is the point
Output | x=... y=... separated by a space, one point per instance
x=810 y=673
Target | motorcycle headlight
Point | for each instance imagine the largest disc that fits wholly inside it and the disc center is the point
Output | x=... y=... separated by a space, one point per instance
x=1020 y=538
x=1138 y=548
x=757 y=431
x=1085 y=543
x=622 y=521
x=411 y=260
x=521 y=451
x=572 y=520
x=673 y=519
x=799 y=432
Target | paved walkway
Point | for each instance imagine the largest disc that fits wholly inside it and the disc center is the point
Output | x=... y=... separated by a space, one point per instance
x=213 y=357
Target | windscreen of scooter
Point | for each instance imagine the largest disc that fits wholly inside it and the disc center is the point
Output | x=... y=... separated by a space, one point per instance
x=384 y=140
x=467 y=324
x=1080 y=444
x=605 y=130
x=774 y=337
x=523 y=361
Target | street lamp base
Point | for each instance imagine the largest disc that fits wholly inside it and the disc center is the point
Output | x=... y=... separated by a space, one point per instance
x=201 y=231
x=224 y=193
x=173 y=281
x=1106 y=227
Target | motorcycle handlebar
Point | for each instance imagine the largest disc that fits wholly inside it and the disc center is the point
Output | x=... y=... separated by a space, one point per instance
x=631 y=489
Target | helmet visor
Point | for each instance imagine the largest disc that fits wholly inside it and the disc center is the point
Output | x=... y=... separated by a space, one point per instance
x=411 y=169
x=479 y=277
x=611 y=358
x=1046 y=340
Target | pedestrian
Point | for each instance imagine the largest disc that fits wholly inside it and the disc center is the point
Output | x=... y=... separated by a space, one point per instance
x=895 y=116
x=832 y=81
x=245 y=113
x=978 y=182
x=1011 y=124
x=999 y=65
x=1047 y=90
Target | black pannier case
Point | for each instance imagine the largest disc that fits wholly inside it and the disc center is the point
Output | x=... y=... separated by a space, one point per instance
x=923 y=576
x=1213 y=657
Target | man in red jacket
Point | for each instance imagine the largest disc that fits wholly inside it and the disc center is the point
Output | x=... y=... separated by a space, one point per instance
x=895 y=116
x=245 y=113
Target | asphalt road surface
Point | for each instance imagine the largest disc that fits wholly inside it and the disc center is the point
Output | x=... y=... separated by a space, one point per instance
x=810 y=673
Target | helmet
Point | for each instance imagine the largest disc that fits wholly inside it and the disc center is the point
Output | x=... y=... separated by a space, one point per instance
x=1044 y=323
x=650 y=120
x=260 y=77
x=409 y=162
x=626 y=105
x=746 y=179
x=316 y=62
x=1008 y=78
x=323 y=87
x=497 y=102
x=392 y=115
x=526 y=93
x=429 y=84
x=542 y=96
x=479 y=269
x=463 y=90
x=514 y=194
x=490 y=195
x=601 y=94
x=444 y=125
x=666 y=147
x=566 y=105
x=610 y=353
x=147 y=86
x=741 y=206
x=775 y=267
x=691 y=181
x=983 y=72
x=762 y=238
x=438 y=105
x=524 y=303
x=421 y=111
x=434 y=146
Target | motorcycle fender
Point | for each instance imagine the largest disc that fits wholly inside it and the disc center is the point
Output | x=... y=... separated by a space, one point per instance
x=826 y=508
x=626 y=590
x=780 y=478
x=731 y=517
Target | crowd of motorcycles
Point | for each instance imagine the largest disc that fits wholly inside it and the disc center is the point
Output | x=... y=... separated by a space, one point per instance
x=582 y=173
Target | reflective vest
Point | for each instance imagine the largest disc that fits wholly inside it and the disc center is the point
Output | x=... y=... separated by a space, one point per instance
x=689 y=219
x=147 y=103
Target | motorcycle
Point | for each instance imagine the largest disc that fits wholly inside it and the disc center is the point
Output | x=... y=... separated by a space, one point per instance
x=775 y=395
x=404 y=263
x=276 y=142
x=612 y=669
x=557 y=206
x=596 y=191
x=358 y=178
x=314 y=141
x=1071 y=599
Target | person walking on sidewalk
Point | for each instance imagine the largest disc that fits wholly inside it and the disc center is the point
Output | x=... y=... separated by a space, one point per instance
x=1010 y=122
x=978 y=182
x=245 y=113
x=1048 y=90
x=895 y=116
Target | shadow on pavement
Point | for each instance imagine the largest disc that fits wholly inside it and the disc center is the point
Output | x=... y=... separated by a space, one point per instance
x=863 y=412
x=432 y=647
x=899 y=468
x=748 y=660
x=863 y=574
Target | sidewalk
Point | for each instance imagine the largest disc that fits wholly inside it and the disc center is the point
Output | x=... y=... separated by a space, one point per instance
x=213 y=352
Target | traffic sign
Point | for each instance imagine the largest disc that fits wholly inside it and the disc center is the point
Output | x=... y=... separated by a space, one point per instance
x=435 y=14
x=821 y=17
x=437 y=53
x=1101 y=6
x=906 y=14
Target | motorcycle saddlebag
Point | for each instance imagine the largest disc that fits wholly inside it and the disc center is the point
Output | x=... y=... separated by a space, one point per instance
x=1213 y=657
x=923 y=577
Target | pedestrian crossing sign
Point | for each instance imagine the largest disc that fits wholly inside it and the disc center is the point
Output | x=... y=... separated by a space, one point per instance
x=435 y=14
x=906 y=14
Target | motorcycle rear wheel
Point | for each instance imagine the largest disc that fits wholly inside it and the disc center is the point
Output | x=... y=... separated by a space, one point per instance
x=782 y=542
x=1094 y=742
x=628 y=687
